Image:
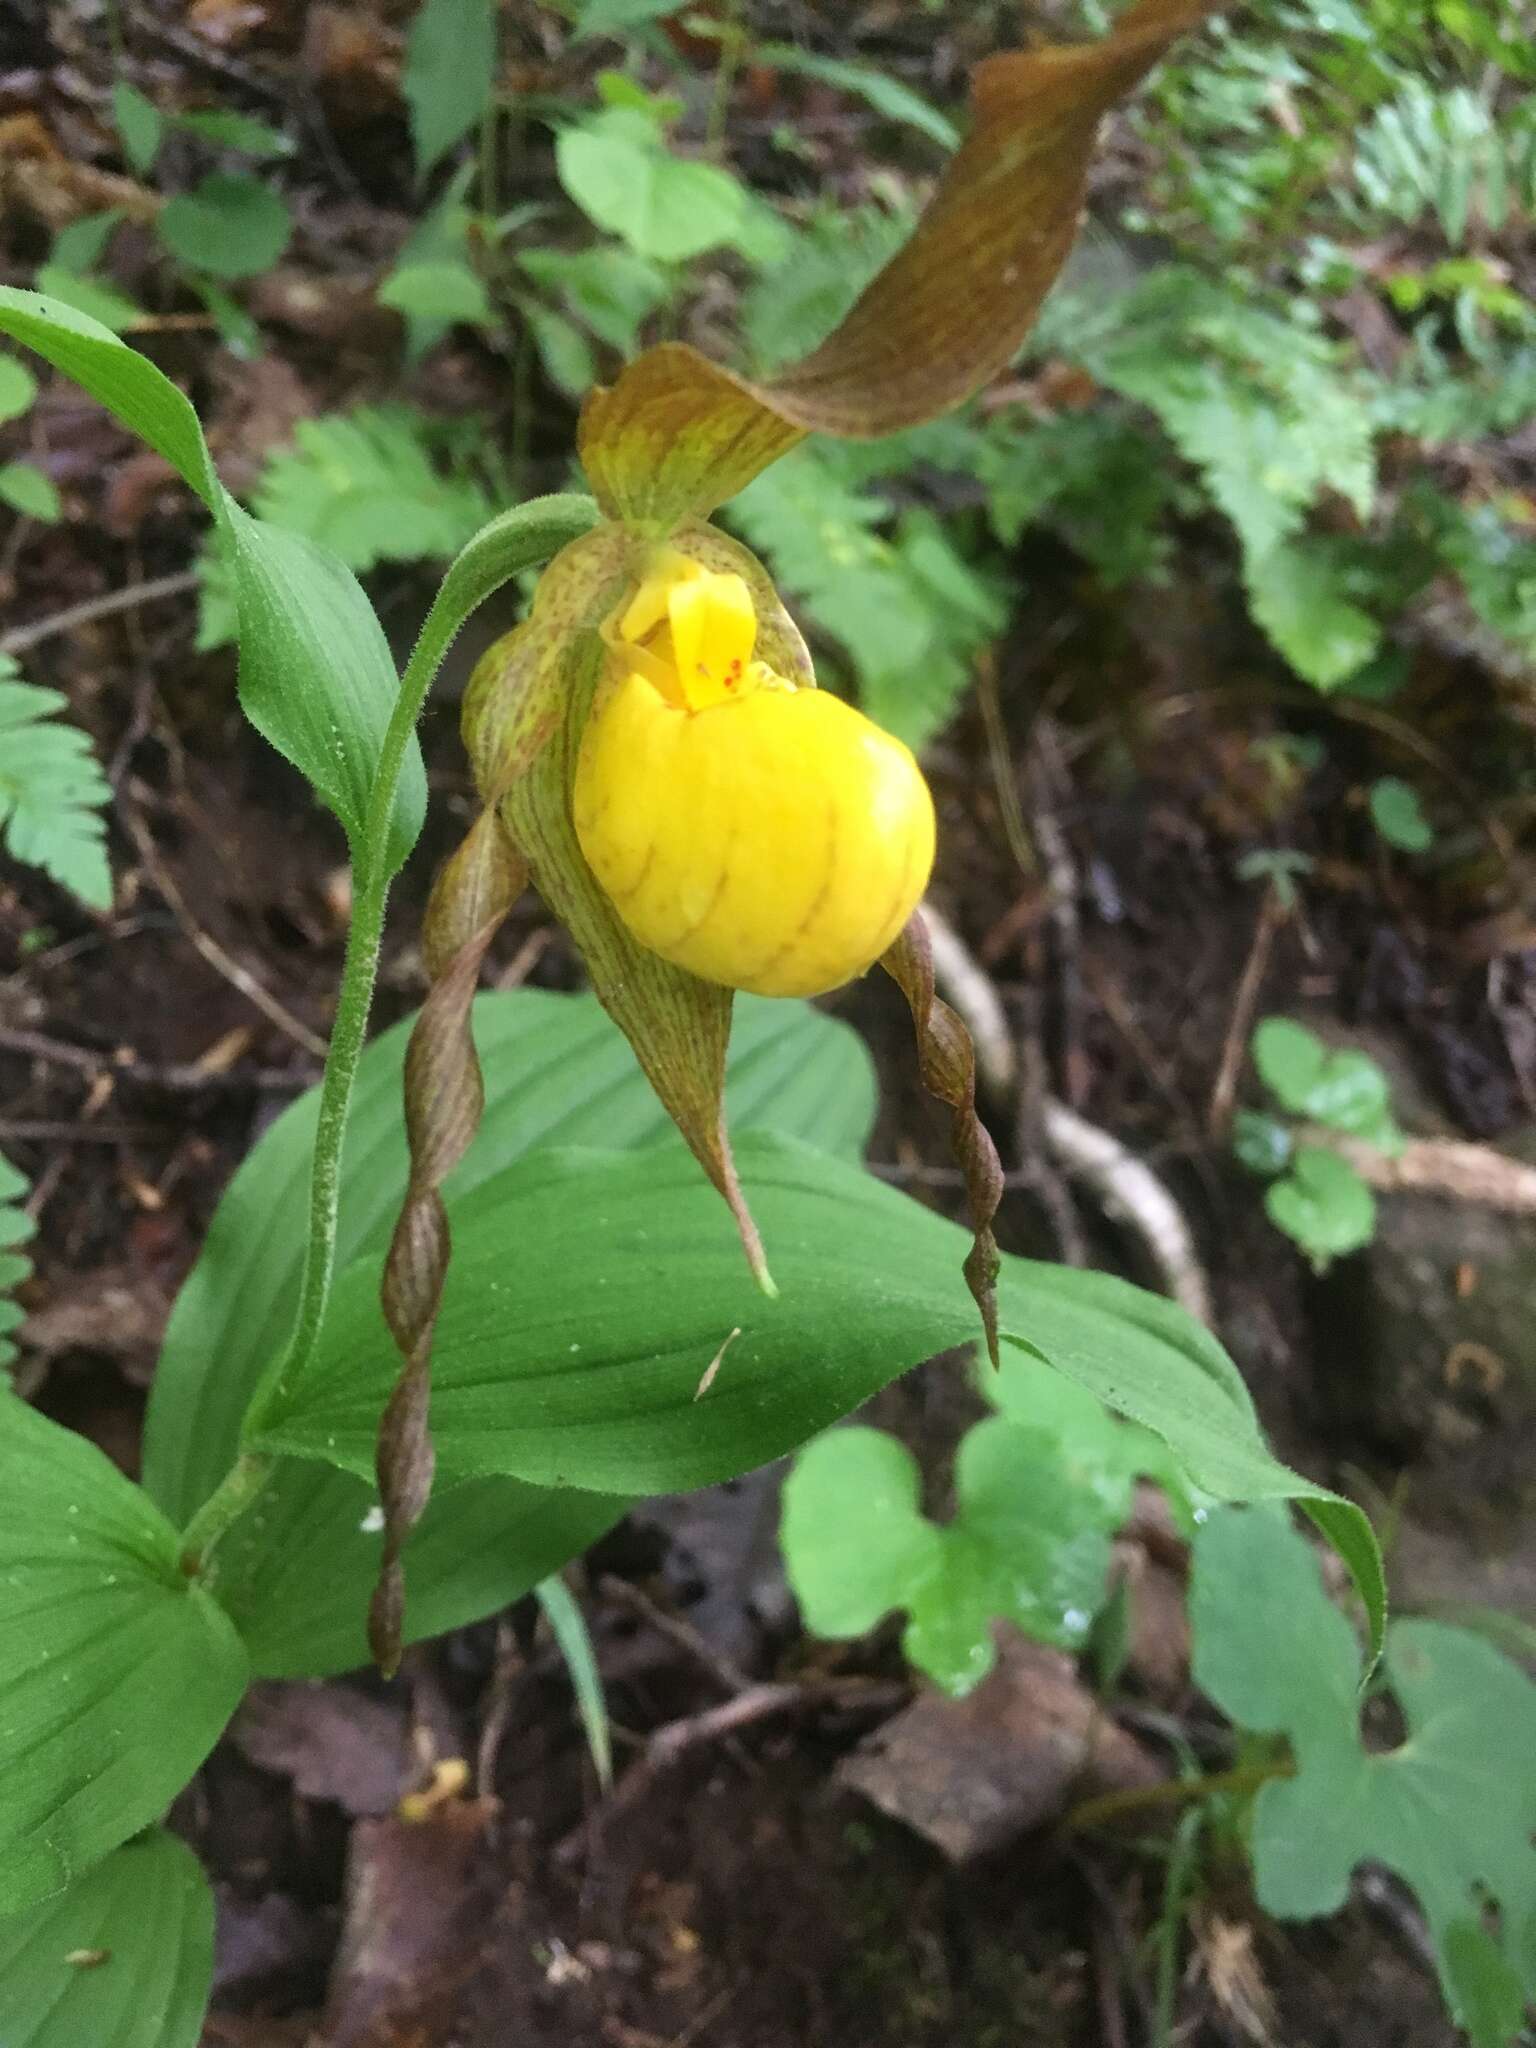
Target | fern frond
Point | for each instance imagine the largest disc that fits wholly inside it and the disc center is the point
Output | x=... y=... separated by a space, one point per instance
x=798 y=302
x=385 y=483
x=906 y=610
x=365 y=485
x=52 y=792
x=16 y=1227
x=1446 y=152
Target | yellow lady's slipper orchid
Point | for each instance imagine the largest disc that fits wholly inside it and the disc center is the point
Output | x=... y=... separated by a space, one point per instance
x=754 y=831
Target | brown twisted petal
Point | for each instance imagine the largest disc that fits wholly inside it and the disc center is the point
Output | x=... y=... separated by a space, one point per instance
x=947 y=1061
x=676 y=435
x=444 y=1098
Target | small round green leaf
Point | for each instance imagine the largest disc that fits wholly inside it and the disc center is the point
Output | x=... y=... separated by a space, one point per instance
x=1399 y=816
x=229 y=130
x=438 y=291
x=1323 y=1204
x=1289 y=1058
x=18 y=388
x=1261 y=1143
x=1028 y=1543
x=139 y=125
x=25 y=489
x=228 y=226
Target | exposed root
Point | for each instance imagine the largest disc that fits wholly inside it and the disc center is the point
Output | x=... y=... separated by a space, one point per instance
x=1451 y=1167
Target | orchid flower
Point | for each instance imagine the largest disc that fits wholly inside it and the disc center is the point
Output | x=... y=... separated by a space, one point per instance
x=650 y=746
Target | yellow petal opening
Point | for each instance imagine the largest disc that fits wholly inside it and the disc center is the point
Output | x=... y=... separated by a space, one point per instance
x=761 y=835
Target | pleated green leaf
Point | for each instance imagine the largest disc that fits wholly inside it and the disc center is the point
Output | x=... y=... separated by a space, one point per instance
x=117 y=1673
x=316 y=677
x=296 y=1572
x=123 y=1959
x=588 y=1362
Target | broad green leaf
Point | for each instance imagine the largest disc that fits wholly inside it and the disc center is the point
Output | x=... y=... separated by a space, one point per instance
x=620 y=172
x=316 y=677
x=52 y=793
x=93 y=296
x=138 y=124
x=1451 y=1810
x=568 y=1626
x=126 y=383
x=117 y=1673
x=1398 y=815
x=1028 y=1542
x=18 y=388
x=81 y=245
x=556 y=1072
x=1301 y=601
x=563 y=349
x=445 y=292
x=1323 y=1204
x=16 y=1229
x=1036 y=1395
x=25 y=489
x=296 y=1572
x=450 y=74
x=229 y=226
x=124 y=1957
x=597 y=1384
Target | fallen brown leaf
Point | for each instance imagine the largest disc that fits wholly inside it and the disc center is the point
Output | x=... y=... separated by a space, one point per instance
x=973 y=1774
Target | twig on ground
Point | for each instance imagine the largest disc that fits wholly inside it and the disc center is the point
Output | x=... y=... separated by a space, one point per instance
x=222 y=962
x=497 y=1714
x=675 y=1739
x=724 y=1670
x=1048 y=782
x=1000 y=754
x=20 y=638
x=974 y=994
x=175 y=1077
x=43 y=1131
x=1115 y=1953
x=1132 y=1193
x=1128 y=1189
x=1272 y=915
x=1452 y=1167
x=1037 y=1155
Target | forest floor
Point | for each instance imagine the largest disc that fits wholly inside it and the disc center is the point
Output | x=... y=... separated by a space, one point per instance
x=734 y=1891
